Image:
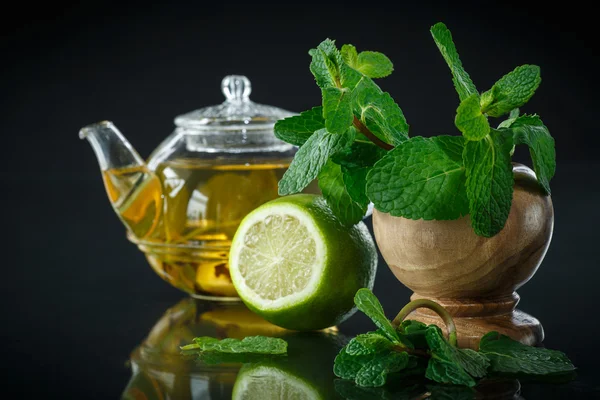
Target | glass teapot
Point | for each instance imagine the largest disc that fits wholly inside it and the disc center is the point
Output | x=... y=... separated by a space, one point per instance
x=183 y=206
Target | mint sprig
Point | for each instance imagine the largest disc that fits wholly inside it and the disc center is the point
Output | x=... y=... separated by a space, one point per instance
x=423 y=178
x=374 y=358
x=462 y=81
x=357 y=143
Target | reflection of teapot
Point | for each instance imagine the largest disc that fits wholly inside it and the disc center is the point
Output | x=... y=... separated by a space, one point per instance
x=159 y=371
x=184 y=204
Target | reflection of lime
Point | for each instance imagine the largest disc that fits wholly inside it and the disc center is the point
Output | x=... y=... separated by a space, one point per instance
x=262 y=382
x=295 y=264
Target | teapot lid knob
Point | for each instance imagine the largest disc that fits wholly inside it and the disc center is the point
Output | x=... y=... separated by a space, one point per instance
x=236 y=88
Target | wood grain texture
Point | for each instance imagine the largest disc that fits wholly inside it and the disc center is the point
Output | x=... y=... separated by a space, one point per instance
x=446 y=259
x=474 y=277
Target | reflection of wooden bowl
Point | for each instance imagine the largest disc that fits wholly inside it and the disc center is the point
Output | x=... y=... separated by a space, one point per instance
x=473 y=276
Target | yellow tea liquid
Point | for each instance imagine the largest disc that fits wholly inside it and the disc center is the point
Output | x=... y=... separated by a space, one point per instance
x=187 y=212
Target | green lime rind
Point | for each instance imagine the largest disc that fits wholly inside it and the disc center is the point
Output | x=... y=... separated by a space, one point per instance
x=350 y=262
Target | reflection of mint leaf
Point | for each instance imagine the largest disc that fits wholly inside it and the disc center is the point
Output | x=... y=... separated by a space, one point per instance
x=469 y=119
x=530 y=130
x=297 y=129
x=374 y=373
x=421 y=178
x=215 y=357
x=335 y=192
x=462 y=81
x=310 y=158
x=507 y=355
x=374 y=64
x=449 y=364
x=378 y=111
x=337 y=109
x=489 y=181
x=366 y=302
x=248 y=345
x=512 y=91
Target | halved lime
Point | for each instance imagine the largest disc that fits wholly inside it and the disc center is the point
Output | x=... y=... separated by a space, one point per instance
x=262 y=382
x=295 y=264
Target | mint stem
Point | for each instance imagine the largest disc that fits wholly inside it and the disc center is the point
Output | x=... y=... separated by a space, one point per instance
x=365 y=131
x=192 y=346
x=432 y=305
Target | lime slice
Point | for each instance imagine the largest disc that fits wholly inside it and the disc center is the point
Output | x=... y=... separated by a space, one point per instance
x=295 y=264
x=265 y=383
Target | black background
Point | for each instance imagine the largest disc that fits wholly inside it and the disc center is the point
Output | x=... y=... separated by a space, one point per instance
x=77 y=297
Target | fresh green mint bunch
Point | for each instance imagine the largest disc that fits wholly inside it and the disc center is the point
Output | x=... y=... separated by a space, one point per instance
x=357 y=144
x=402 y=348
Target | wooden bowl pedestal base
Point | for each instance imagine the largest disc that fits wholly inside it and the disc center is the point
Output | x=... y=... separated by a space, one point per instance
x=476 y=317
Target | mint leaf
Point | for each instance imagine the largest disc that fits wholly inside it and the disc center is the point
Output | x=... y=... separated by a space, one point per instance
x=378 y=111
x=335 y=192
x=471 y=361
x=374 y=64
x=462 y=81
x=489 y=181
x=355 y=180
x=414 y=332
x=366 y=302
x=469 y=119
x=350 y=55
x=512 y=91
x=324 y=65
x=359 y=155
x=449 y=364
x=421 y=178
x=368 y=343
x=337 y=109
x=297 y=129
x=530 y=130
x=346 y=366
x=374 y=373
x=248 y=345
x=510 y=356
x=310 y=158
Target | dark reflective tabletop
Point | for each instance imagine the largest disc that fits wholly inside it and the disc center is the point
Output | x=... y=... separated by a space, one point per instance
x=86 y=317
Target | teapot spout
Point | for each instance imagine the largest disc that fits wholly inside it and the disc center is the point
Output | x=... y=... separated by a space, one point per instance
x=111 y=148
x=133 y=190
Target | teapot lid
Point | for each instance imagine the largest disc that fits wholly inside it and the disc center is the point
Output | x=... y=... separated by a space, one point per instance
x=236 y=112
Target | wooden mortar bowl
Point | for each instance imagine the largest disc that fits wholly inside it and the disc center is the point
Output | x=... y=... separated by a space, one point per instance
x=474 y=277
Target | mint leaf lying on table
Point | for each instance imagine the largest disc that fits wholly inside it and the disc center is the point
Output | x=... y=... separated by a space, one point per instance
x=507 y=355
x=374 y=358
